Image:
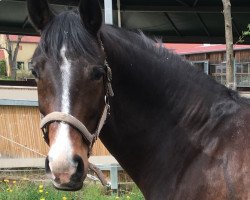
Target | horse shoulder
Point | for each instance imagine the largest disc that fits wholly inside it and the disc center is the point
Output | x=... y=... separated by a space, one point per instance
x=236 y=159
x=221 y=170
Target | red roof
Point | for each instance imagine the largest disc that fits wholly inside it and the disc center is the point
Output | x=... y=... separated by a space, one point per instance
x=2 y=57
x=26 y=39
x=185 y=49
x=182 y=49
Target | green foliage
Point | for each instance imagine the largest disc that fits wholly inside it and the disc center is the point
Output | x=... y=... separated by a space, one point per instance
x=23 y=189
x=245 y=33
x=136 y=194
x=23 y=74
x=3 y=69
x=6 y=78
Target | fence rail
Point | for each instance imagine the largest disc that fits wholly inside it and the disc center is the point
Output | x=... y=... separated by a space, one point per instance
x=20 y=125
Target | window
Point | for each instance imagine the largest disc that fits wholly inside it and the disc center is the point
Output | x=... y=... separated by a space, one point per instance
x=20 y=65
x=201 y=65
x=30 y=65
x=243 y=74
x=218 y=72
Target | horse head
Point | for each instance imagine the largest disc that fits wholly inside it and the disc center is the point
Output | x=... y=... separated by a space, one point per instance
x=72 y=77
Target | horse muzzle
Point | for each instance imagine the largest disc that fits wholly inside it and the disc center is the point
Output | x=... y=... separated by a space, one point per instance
x=66 y=175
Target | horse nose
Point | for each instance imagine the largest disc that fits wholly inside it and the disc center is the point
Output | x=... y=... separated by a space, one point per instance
x=65 y=174
x=79 y=173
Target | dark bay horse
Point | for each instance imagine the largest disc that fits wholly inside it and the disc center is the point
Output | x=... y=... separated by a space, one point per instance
x=177 y=133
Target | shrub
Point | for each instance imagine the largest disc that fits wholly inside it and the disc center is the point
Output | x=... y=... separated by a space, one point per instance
x=3 y=71
x=23 y=74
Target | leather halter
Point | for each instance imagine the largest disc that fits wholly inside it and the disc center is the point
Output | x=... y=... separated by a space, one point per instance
x=75 y=123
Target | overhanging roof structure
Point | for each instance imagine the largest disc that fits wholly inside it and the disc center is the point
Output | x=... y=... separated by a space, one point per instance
x=188 y=21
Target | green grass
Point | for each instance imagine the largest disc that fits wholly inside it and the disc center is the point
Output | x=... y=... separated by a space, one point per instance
x=6 y=78
x=27 y=190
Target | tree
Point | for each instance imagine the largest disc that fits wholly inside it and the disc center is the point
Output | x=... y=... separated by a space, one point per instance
x=12 y=53
x=230 y=80
x=245 y=33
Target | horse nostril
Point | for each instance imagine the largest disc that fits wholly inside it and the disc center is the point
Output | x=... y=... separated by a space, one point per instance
x=80 y=167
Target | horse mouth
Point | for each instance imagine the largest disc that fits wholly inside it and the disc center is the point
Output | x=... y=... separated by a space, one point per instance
x=67 y=181
x=72 y=186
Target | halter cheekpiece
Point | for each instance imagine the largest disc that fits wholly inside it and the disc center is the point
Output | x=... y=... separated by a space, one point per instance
x=74 y=122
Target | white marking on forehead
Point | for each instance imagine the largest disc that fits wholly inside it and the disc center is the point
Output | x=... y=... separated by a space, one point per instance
x=65 y=69
x=61 y=151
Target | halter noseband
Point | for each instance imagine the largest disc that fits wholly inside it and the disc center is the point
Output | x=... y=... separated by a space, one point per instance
x=75 y=123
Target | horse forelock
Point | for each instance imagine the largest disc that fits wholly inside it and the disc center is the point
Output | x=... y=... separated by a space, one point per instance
x=67 y=29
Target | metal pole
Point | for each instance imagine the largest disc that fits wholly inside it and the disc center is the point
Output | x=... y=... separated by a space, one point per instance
x=119 y=13
x=108 y=9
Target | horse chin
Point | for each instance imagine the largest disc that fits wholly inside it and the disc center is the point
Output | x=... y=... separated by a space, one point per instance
x=68 y=186
x=72 y=185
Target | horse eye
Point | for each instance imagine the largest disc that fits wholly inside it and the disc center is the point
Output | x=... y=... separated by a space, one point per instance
x=98 y=73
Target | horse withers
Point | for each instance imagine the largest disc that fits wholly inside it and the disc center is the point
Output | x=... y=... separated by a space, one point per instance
x=178 y=133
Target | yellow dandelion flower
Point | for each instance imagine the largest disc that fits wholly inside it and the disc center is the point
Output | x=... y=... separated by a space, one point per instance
x=14 y=182
x=11 y=190
x=40 y=191
x=40 y=186
x=64 y=198
x=6 y=180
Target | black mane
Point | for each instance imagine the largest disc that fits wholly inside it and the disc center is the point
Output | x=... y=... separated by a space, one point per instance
x=170 y=81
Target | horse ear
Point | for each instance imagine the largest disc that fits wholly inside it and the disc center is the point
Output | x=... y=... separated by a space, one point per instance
x=39 y=13
x=91 y=15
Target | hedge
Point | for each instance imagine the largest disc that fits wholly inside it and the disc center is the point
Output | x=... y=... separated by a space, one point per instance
x=3 y=71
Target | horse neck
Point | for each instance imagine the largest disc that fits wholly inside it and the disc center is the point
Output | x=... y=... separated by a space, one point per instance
x=157 y=77
x=153 y=101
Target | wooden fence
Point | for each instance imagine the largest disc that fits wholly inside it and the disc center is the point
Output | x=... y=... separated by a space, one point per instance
x=22 y=137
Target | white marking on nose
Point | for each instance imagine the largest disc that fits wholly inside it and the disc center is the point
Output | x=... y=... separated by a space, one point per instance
x=60 y=153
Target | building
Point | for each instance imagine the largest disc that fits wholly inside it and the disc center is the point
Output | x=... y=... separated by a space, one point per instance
x=27 y=47
x=211 y=58
x=2 y=56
